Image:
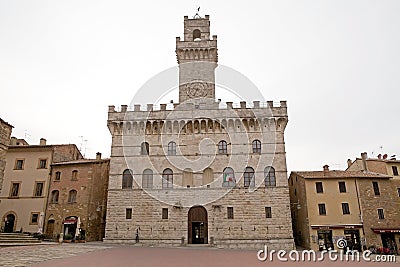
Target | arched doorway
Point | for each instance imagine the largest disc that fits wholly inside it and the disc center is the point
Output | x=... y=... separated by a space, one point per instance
x=197 y=225
x=9 y=223
x=50 y=228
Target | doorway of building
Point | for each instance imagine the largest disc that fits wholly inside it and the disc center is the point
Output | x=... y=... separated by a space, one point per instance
x=9 y=223
x=325 y=240
x=353 y=239
x=197 y=225
x=70 y=224
x=50 y=228
x=389 y=242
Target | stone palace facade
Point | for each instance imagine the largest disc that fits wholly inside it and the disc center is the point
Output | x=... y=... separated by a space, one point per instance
x=199 y=172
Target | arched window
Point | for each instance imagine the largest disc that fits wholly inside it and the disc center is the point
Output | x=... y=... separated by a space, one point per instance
x=269 y=176
x=229 y=177
x=127 y=179
x=147 y=178
x=222 y=147
x=171 y=148
x=196 y=35
x=144 y=148
x=72 y=196
x=54 y=196
x=208 y=176
x=167 y=178
x=257 y=146
x=74 y=175
x=249 y=178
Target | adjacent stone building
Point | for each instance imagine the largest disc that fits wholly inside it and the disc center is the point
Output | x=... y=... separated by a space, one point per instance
x=77 y=199
x=380 y=201
x=199 y=172
x=26 y=182
x=326 y=206
x=5 y=134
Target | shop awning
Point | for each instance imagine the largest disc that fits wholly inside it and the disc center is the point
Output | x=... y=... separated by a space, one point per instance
x=336 y=226
x=69 y=221
x=385 y=230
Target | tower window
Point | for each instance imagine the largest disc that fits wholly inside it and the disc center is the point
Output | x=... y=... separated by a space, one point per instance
x=230 y=212
x=375 y=185
x=196 y=35
x=395 y=171
x=222 y=147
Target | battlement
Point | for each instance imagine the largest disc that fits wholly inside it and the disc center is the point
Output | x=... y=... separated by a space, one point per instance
x=191 y=106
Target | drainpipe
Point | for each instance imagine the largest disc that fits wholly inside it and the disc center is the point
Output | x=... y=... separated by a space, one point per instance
x=360 y=209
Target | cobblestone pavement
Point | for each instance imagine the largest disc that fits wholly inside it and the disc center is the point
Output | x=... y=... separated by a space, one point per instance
x=98 y=254
x=27 y=255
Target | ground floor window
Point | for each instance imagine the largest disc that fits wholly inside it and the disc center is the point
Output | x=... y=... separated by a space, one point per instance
x=325 y=239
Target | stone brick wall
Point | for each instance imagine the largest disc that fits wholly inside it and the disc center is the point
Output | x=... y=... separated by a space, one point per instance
x=5 y=134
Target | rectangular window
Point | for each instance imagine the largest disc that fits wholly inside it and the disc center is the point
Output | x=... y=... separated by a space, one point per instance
x=398 y=191
x=375 y=185
x=58 y=176
x=268 y=212
x=128 y=213
x=342 y=187
x=395 y=171
x=230 y=212
x=39 y=189
x=42 y=164
x=319 y=187
x=14 y=192
x=165 y=213
x=381 y=215
x=34 y=218
x=345 y=208
x=321 y=209
x=19 y=164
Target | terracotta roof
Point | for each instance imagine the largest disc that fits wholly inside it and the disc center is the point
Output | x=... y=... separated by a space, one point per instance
x=339 y=174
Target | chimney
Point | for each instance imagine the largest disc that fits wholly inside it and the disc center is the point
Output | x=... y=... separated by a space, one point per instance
x=42 y=142
x=13 y=141
x=349 y=162
x=326 y=168
x=98 y=156
x=364 y=161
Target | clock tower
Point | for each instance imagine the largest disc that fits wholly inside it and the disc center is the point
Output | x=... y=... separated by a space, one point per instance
x=197 y=58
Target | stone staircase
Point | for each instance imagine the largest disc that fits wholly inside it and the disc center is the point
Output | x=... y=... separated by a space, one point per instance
x=17 y=239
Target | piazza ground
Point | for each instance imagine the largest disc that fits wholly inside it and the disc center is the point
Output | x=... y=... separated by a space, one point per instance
x=99 y=254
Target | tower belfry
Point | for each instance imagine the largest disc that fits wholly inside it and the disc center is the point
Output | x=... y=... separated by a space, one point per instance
x=197 y=58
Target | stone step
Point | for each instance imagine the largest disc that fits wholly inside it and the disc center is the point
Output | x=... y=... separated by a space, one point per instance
x=19 y=240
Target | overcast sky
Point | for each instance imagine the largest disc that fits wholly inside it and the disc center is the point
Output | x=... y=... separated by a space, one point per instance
x=336 y=62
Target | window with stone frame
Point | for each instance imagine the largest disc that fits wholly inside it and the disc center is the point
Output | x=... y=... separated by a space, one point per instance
x=19 y=164
x=74 y=175
x=147 y=178
x=395 y=171
x=268 y=212
x=167 y=178
x=164 y=213
x=256 y=146
x=128 y=213
x=222 y=147
x=127 y=179
x=54 y=196
x=14 y=191
x=57 y=176
x=249 y=178
x=319 y=187
x=381 y=214
x=42 y=164
x=229 y=177
x=269 y=176
x=342 y=187
x=321 y=209
x=172 y=148
x=39 y=189
x=375 y=186
x=72 y=196
x=34 y=218
x=345 y=208
x=229 y=211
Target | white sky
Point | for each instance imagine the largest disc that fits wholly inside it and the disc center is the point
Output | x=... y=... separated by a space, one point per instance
x=336 y=62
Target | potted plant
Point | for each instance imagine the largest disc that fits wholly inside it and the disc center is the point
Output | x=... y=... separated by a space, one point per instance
x=68 y=238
